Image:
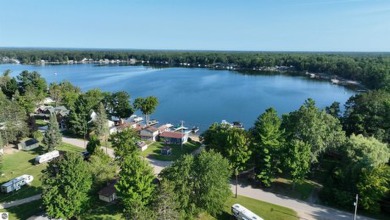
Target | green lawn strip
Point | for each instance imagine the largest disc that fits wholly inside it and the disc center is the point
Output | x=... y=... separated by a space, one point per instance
x=24 y=211
x=154 y=151
x=263 y=209
x=70 y=148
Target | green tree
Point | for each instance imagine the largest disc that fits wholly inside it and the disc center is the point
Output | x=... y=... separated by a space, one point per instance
x=232 y=143
x=34 y=82
x=7 y=84
x=372 y=186
x=120 y=105
x=125 y=143
x=64 y=93
x=166 y=204
x=201 y=182
x=1 y=154
x=360 y=169
x=53 y=137
x=369 y=114
x=314 y=127
x=334 y=109
x=298 y=160
x=93 y=144
x=101 y=124
x=102 y=168
x=146 y=105
x=135 y=186
x=13 y=120
x=181 y=175
x=267 y=146
x=66 y=184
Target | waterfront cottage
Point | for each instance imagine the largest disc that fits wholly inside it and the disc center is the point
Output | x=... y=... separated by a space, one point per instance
x=171 y=137
x=149 y=133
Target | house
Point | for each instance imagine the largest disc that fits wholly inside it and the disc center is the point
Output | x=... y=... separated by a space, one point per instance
x=108 y=193
x=166 y=150
x=127 y=125
x=28 y=144
x=171 y=137
x=149 y=133
x=110 y=124
x=61 y=112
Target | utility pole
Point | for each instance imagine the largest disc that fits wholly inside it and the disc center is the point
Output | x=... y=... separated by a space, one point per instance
x=356 y=205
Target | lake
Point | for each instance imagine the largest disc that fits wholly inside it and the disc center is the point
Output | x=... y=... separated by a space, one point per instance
x=197 y=96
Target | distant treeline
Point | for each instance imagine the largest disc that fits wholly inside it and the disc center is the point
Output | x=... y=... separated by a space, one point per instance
x=371 y=69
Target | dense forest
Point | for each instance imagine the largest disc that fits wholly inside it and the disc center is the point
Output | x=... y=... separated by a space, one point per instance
x=371 y=69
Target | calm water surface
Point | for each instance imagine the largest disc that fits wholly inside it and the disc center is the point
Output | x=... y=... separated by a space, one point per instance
x=197 y=96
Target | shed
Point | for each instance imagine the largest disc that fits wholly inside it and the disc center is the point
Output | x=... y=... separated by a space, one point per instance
x=108 y=193
x=166 y=150
x=28 y=144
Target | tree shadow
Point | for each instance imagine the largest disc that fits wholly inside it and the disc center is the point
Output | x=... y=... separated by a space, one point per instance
x=27 y=210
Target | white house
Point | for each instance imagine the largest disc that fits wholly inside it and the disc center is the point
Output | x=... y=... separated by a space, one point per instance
x=149 y=133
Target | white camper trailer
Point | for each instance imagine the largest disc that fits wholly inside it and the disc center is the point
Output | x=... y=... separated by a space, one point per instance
x=47 y=156
x=242 y=213
x=17 y=183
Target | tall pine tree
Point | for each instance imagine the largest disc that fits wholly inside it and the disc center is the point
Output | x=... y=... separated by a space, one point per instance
x=53 y=137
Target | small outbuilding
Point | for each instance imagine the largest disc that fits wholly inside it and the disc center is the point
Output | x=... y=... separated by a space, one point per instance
x=108 y=193
x=166 y=150
x=28 y=144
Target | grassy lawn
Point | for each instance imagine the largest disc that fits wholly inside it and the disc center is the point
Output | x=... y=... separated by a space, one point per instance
x=70 y=148
x=41 y=122
x=263 y=209
x=103 y=210
x=22 y=162
x=154 y=150
x=17 y=164
x=24 y=211
x=301 y=191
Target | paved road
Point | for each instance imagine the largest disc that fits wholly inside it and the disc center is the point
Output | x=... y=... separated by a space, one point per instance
x=19 y=202
x=305 y=210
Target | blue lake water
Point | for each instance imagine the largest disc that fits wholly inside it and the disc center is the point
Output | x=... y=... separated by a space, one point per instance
x=197 y=96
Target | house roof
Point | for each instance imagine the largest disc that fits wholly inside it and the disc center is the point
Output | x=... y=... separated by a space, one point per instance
x=170 y=134
x=163 y=128
x=30 y=142
x=108 y=190
x=151 y=129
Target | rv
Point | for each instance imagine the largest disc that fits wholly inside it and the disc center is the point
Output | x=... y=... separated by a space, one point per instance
x=47 y=157
x=242 y=213
x=16 y=183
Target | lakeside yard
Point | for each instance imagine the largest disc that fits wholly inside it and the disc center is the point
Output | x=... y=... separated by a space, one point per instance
x=154 y=150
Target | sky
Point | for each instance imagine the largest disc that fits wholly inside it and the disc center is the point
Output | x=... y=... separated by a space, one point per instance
x=239 y=25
